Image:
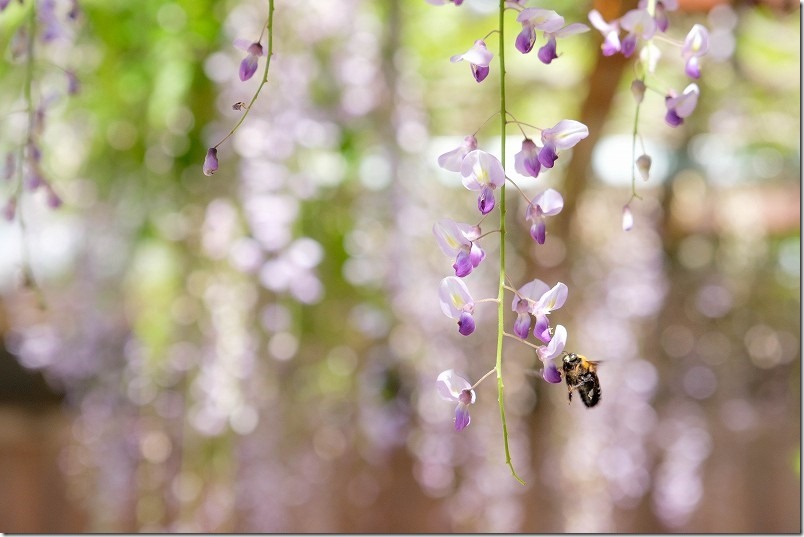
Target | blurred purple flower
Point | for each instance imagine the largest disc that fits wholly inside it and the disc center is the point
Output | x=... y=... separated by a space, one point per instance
x=696 y=45
x=628 y=218
x=452 y=387
x=610 y=30
x=639 y=25
x=483 y=173
x=660 y=15
x=643 y=165
x=478 y=58
x=681 y=106
x=249 y=64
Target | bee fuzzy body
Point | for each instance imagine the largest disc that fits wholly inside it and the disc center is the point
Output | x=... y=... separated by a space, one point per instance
x=581 y=375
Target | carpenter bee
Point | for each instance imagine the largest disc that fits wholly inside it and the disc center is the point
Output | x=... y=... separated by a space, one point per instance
x=581 y=375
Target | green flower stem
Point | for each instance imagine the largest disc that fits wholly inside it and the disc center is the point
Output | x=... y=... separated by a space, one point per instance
x=270 y=27
x=501 y=287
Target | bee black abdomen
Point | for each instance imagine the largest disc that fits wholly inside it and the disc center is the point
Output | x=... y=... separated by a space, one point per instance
x=590 y=392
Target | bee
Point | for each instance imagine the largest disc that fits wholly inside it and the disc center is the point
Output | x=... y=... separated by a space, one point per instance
x=581 y=374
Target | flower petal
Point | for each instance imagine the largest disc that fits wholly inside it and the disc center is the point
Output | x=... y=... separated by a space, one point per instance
x=462 y=418
x=450 y=385
x=565 y=134
x=551 y=374
x=454 y=297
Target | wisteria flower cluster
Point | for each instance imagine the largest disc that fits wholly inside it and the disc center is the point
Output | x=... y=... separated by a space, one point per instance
x=637 y=33
x=484 y=174
x=23 y=167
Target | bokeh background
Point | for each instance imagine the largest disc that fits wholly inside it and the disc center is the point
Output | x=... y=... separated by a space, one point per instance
x=257 y=350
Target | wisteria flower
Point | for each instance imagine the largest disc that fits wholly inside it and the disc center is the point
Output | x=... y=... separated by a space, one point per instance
x=249 y=64
x=610 y=30
x=456 y=240
x=551 y=351
x=537 y=299
x=451 y=160
x=457 y=303
x=548 y=203
x=681 y=106
x=482 y=172
x=533 y=19
x=478 y=57
x=564 y=135
x=548 y=52
x=526 y=162
x=452 y=387
x=639 y=25
x=211 y=161
x=660 y=15
x=696 y=45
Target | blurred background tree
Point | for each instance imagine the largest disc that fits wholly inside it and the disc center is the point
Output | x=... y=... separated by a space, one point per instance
x=257 y=350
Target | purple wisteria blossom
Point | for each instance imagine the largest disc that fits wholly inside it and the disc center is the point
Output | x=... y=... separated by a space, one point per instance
x=526 y=162
x=456 y=240
x=211 y=161
x=610 y=30
x=249 y=64
x=442 y=2
x=451 y=160
x=536 y=299
x=548 y=203
x=564 y=135
x=696 y=45
x=479 y=59
x=483 y=173
x=660 y=15
x=551 y=24
x=457 y=303
x=639 y=25
x=535 y=19
x=551 y=351
x=452 y=387
x=681 y=106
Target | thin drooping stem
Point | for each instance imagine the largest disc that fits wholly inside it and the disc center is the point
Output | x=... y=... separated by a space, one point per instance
x=501 y=287
x=269 y=25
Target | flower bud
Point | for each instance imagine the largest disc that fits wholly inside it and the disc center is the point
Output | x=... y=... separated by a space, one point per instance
x=638 y=89
x=628 y=218
x=211 y=161
x=643 y=165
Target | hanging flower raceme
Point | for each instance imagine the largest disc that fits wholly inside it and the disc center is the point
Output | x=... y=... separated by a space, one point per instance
x=564 y=135
x=457 y=303
x=457 y=240
x=526 y=162
x=451 y=160
x=537 y=299
x=482 y=172
x=452 y=387
x=548 y=203
x=550 y=352
x=681 y=106
x=696 y=45
x=249 y=64
x=478 y=57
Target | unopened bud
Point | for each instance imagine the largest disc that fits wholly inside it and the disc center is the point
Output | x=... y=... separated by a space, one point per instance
x=211 y=161
x=628 y=218
x=643 y=165
x=638 y=89
x=239 y=105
